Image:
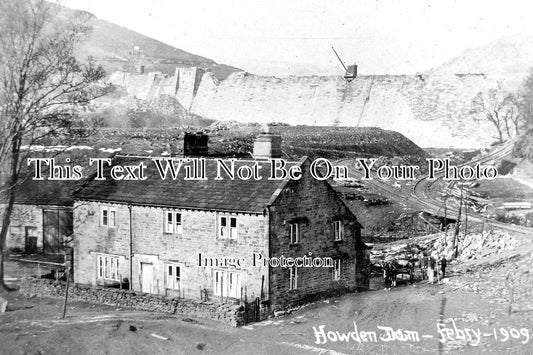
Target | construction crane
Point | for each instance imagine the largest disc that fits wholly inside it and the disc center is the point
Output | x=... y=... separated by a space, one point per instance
x=350 y=71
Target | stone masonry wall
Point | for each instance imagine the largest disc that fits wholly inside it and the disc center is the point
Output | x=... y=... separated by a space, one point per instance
x=151 y=245
x=231 y=314
x=24 y=217
x=314 y=205
x=183 y=85
x=431 y=110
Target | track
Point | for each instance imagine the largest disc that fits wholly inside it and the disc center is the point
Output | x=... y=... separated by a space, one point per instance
x=421 y=197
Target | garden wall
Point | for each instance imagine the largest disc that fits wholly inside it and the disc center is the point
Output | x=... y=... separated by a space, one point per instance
x=231 y=314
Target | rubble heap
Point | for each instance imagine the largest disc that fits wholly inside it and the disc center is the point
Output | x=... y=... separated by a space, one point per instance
x=400 y=253
x=508 y=281
x=475 y=246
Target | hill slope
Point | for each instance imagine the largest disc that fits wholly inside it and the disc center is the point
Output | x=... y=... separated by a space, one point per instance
x=112 y=46
x=513 y=54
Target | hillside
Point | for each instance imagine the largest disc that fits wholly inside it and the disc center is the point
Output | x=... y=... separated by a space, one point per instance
x=513 y=54
x=112 y=46
x=236 y=139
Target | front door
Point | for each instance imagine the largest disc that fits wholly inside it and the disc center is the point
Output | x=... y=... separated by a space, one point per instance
x=31 y=240
x=147 y=277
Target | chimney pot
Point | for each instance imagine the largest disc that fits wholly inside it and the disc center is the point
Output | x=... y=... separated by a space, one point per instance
x=267 y=145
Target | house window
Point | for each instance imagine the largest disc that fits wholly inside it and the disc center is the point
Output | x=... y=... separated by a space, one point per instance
x=173 y=277
x=108 y=267
x=294 y=231
x=218 y=282
x=173 y=222
x=227 y=227
x=338 y=230
x=108 y=216
x=337 y=269
x=293 y=278
x=227 y=284
x=234 y=284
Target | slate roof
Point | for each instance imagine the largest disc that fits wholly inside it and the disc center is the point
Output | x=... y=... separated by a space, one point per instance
x=41 y=192
x=45 y=192
x=221 y=195
x=50 y=192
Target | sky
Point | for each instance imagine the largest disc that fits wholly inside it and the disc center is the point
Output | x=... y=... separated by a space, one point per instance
x=291 y=36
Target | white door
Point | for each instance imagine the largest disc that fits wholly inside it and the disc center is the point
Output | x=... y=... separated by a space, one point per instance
x=147 y=277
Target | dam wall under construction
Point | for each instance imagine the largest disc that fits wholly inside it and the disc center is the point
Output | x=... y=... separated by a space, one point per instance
x=431 y=110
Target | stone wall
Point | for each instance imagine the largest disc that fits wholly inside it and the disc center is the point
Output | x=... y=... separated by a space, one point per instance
x=183 y=85
x=24 y=218
x=152 y=245
x=228 y=313
x=432 y=110
x=315 y=206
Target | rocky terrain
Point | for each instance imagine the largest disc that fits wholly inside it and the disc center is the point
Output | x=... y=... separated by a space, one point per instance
x=494 y=264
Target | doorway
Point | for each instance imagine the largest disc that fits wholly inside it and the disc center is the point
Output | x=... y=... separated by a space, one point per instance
x=147 y=277
x=57 y=230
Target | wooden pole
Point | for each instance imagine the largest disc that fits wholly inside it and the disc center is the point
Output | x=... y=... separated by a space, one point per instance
x=457 y=225
x=466 y=217
x=66 y=293
x=445 y=220
x=262 y=286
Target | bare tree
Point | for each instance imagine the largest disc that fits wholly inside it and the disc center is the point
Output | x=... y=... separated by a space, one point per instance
x=500 y=108
x=524 y=147
x=525 y=101
x=513 y=115
x=42 y=86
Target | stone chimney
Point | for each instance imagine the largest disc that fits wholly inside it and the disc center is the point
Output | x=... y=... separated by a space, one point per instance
x=195 y=144
x=267 y=145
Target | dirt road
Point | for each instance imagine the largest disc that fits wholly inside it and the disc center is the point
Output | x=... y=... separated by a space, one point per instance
x=467 y=324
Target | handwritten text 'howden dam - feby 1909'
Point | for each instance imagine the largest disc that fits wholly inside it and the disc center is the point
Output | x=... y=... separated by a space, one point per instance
x=445 y=332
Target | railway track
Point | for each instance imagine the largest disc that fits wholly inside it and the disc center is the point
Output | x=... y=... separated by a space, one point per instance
x=423 y=199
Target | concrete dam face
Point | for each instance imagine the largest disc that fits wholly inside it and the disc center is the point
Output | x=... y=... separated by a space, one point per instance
x=431 y=110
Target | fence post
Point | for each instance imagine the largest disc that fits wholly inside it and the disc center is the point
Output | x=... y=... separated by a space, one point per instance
x=66 y=293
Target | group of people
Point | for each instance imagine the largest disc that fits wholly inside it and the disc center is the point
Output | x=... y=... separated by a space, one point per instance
x=391 y=270
x=429 y=266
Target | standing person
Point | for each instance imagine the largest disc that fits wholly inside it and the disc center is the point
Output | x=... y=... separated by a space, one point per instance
x=431 y=269
x=388 y=275
x=423 y=265
x=394 y=273
x=443 y=263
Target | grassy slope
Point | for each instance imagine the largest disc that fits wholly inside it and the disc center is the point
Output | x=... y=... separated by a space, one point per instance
x=109 y=44
x=297 y=141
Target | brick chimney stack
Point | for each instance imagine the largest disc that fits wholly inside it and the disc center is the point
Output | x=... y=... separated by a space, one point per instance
x=195 y=144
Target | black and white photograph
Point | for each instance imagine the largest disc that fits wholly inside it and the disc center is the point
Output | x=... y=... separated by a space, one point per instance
x=266 y=177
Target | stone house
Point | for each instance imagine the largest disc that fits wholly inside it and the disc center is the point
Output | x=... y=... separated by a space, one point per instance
x=41 y=221
x=284 y=241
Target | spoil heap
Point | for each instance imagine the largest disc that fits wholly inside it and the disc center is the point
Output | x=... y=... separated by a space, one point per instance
x=475 y=246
